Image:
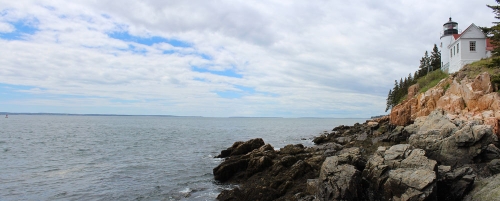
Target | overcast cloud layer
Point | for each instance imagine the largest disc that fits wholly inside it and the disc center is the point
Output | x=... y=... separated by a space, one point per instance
x=217 y=58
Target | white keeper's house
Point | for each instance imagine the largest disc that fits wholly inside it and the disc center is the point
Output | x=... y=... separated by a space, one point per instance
x=459 y=49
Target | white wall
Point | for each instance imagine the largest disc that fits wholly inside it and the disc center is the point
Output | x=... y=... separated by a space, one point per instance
x=445 y=52
x=464 y=55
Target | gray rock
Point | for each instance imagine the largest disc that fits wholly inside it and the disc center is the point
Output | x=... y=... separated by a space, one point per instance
x=491 y=152
x=494 y=166
x=454 y=184
x=246 y=147
x=449 y=144
x=338 y=179
x=486 y=189
x=292 y=149
x=362 y=137
x=401 y=173
x=343 y=140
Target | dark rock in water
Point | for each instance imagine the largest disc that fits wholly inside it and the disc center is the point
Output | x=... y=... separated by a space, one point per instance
x=240 y=148
x=320 y=139
x=229 y=168
x=248 y=146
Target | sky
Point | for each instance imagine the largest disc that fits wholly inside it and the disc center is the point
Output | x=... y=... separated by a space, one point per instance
x=217 y=58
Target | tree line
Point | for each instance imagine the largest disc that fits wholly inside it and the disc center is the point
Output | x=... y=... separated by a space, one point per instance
x=428 y=63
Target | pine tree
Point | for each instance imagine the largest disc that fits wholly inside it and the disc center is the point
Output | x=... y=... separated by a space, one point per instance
x=389 y=101
x=395 y=94
x=427 y=61
x=424 y=66
x=494 y=31
x=435 y=59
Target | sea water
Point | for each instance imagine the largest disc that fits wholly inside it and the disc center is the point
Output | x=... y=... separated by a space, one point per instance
x=62 y=157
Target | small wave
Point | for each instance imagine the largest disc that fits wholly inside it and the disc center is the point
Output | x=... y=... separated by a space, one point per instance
x=186 y=192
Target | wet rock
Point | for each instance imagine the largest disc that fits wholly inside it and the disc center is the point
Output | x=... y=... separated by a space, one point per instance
x=320 y=139
x=229 y=168
x=240 y=148
x=248 y=146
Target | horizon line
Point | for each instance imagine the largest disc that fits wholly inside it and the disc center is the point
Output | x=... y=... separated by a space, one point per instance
x=164 y=115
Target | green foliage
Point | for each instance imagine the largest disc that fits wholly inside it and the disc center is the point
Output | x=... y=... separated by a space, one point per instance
x=428 y=64
x=484 y=65
x=494 y=31
x=495 y=81
x=446 y=87
x=431 y=80
x=435 y=59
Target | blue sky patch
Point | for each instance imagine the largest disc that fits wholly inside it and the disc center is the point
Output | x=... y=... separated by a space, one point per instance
x=247 y=90
x=227 y=73
x=125 y=36
x=243 y=91
x=124 y=101
x=22 y=28
x=168 y=52
x=10 y=92
x=229 y=94
x=206 y=57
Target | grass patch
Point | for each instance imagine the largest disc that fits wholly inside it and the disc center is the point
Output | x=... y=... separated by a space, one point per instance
x=490 y=65
x=430 y=80
x=446 y=87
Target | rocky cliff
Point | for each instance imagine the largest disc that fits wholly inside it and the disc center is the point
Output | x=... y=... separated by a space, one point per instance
x=437 y=145
x=460 y=97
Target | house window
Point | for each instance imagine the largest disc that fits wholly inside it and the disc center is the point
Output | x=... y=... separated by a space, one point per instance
x=454 y=50
x=472 y=46
x=458 y=47
x=451 y=53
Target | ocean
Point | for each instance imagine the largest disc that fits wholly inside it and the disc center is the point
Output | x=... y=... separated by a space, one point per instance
x=60 y=157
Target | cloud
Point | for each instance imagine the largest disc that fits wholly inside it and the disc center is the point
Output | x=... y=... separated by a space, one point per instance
x=225 y=58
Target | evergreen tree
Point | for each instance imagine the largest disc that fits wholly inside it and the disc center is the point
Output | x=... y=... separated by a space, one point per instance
x=435 y=59
x=427 y=62
x=389 y=101
x=494 y=31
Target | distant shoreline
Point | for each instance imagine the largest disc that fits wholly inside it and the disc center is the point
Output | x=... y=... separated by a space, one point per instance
x=69 y=114
x=152 y=115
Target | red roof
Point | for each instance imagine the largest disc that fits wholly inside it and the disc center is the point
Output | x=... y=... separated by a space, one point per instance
x=489 y=46
x=456 y=36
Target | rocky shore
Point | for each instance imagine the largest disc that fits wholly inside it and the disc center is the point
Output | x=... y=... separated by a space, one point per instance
x=439 y=145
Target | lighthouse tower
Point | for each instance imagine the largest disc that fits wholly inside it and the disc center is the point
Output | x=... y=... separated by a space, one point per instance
x=449 y=28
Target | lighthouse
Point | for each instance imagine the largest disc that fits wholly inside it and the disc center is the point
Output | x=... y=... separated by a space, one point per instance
x=460 y=49
x=449 y=28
